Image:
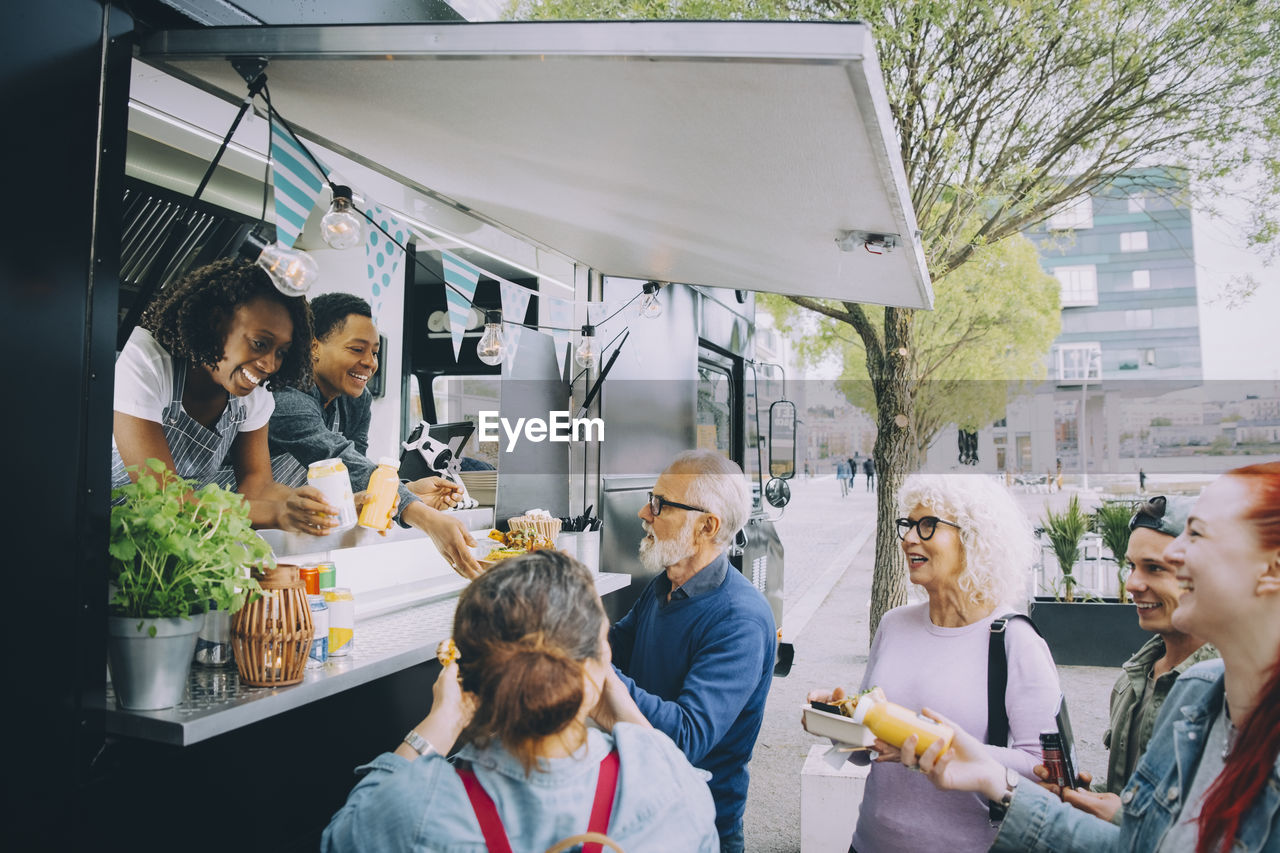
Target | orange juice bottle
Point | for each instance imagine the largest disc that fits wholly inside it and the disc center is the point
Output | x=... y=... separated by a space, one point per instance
x=383 y=485
x=893 y=724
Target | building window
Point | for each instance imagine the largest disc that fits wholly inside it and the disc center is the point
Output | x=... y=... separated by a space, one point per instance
x=1078 y=362
x=1079 y=285
x=1137 y=203
x=1149 y=357
x=1142 y=279
x=1133 y=241
x=1072 y=216
x=1140 y=318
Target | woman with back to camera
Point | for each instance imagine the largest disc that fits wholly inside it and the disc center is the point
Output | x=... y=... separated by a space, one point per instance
x=970 y=547
x=193 y=388
x=533 y=665
x=1209 y=780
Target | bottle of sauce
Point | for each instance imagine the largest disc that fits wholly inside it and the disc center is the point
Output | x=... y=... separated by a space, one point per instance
x=893 y=724
x=383 y=485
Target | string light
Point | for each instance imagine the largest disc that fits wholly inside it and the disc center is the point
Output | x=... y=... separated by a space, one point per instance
x=292 y=271
x=651 y=307
x=587 y=355
x=340 y=227
x=492 y=346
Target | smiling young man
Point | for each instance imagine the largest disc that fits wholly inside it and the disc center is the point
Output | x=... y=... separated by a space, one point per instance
x=1141 y=689
x=331 y=420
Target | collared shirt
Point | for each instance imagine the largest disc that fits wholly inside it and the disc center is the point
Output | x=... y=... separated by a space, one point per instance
x=1135 y=704
x=706 y=579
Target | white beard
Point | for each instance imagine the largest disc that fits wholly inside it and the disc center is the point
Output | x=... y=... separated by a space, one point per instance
x=657 y=554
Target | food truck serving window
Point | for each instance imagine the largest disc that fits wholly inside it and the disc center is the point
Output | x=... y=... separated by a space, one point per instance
x=716 y=416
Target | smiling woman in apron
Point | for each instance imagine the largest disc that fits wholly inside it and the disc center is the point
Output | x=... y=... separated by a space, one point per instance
x=193 y=388
x=331 y=420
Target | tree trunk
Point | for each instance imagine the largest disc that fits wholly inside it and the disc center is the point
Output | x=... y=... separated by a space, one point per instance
x=895 y=457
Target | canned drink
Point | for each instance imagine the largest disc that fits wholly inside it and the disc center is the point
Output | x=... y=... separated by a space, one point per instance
x=318 y=655
x=331 y=478
x=1054 y=761
x=342 y=621
x=310 y=578
x=328 y=575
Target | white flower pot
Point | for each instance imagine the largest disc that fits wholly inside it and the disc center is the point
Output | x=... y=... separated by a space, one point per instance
x=150 y=672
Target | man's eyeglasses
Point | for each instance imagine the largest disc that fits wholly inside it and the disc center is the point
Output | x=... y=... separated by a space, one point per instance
x=657 y=502
x=925 y=526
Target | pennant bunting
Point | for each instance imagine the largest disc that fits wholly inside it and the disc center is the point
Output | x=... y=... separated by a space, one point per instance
x=558 y=314
x=515 y=303
x=460 y=291
x=382 y=256
x=297 y=184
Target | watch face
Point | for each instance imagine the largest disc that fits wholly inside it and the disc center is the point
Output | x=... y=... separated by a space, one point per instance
x=1011 y=777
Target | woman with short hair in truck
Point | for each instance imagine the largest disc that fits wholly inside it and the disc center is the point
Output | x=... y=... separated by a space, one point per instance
x=193 y=388
x=533 y=664
x=1209 y=779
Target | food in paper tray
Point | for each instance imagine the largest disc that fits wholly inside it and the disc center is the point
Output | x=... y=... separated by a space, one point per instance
x=536 y=521
x=447 y=652
x=832 y=720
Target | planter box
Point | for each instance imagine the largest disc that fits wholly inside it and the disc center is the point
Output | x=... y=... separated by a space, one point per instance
x=1091 y=633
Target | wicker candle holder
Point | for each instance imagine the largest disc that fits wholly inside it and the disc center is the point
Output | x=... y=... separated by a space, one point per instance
x=272 y=634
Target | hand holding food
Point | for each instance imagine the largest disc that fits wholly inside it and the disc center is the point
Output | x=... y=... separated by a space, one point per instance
x=447 y=652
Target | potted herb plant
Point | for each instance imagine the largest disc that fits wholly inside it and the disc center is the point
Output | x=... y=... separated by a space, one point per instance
x=1090 y=631
x=1111 y=522
x=174 y=550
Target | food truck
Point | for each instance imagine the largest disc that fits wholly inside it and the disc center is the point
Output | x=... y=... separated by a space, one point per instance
x=583 y=167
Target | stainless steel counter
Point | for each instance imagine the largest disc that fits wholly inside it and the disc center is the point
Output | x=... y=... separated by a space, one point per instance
x=217 y=703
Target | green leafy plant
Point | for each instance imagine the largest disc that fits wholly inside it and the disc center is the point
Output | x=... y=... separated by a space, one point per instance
x=1111 y=522
x=175 y=548
x=1065 y=530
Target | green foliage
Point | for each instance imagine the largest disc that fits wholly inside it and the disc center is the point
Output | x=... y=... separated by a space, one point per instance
x=1111 y=522
x=1161 y=422
x=174 y=549
x=1065 y=530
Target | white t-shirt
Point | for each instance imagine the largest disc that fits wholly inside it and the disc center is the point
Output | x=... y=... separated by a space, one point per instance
x=144 y=384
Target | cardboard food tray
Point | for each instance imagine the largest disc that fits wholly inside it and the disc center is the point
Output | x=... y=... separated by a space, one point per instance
x=837 y=727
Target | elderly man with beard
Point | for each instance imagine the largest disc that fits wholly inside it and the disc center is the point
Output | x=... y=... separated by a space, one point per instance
x=696 y=650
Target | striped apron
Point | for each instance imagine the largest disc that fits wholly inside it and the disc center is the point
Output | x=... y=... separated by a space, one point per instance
x=287 y=470
x=198 y=452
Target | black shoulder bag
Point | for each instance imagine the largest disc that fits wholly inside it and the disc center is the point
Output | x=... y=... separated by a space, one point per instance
x=997 y=684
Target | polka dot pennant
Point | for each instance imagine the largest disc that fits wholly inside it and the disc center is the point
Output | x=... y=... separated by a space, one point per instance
x=382 y=256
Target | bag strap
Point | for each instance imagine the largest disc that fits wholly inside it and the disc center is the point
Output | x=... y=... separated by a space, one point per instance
x=602 y=806
x=495 y=837
x=997 y=685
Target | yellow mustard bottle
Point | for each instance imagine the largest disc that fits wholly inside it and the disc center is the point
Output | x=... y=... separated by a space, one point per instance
x=893 y=724
x=383 y=485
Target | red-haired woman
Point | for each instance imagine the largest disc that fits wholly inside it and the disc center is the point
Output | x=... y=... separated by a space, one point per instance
x=1209 y=780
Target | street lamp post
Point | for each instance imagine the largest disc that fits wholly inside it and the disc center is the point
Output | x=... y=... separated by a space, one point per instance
x=1095 y=358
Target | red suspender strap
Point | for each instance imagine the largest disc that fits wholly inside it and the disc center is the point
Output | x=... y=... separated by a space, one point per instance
x=495 y=837
x=602 y=807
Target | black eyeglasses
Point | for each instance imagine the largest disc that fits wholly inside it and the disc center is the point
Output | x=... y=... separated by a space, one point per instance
x=657 y=502
x=1150 y=514
x=925 y=526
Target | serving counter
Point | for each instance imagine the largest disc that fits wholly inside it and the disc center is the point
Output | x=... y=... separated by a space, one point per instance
x=405 y=599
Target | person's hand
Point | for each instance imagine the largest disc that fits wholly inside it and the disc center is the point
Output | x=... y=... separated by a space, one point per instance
x=437 y=492
x=451 y=708
x=886 y=751
x=451 y=539
x=1103 y=805
x=966 y=766
x=616 y=705
x=306 y=511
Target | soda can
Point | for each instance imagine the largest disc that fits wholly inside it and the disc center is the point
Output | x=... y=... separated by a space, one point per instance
x=1054 y=762
x=328 y=575
x=310 y=579
x=318 y=655
x=342 y=621
x=331 y=478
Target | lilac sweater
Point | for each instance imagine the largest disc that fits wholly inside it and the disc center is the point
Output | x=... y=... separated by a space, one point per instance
x=920 y=665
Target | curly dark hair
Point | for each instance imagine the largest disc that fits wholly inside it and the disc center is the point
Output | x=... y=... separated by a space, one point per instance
x=190 y=318
x=331 y=310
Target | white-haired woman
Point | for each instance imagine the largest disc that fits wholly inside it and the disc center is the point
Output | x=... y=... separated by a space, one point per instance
x=970 y=547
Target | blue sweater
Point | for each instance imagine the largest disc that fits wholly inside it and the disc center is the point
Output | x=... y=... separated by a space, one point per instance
x=700 y=669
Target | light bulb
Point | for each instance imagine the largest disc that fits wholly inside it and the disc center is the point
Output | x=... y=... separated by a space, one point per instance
x=292 y=271
x=650 y=307
x=493 y=344
x=588 y=352
x=341 y=228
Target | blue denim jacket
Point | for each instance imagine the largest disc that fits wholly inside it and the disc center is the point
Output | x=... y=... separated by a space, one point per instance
x=1153 y=798
x=662 y=802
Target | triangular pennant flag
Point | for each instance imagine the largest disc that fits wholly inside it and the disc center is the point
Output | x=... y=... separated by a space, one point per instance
x=460 y=289
x=515 y=302
x=557 y=314
x=297 y=184
x=382 y=256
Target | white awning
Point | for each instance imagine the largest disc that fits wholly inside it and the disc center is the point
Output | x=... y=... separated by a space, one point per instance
x=725 y=154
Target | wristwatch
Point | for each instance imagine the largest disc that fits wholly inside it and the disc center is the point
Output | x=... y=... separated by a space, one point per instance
x=420 y=745
x=997 y=810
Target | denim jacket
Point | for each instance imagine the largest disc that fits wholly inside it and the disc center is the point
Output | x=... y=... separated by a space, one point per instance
x=1153 y=798
x=662 y=802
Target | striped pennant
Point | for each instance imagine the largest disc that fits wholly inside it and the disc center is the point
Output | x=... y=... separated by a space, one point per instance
x=297 y=184
x=463 y=277
x=515 y=302
x=382 y=256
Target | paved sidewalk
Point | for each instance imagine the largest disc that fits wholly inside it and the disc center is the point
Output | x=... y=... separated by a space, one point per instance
x=830 y=552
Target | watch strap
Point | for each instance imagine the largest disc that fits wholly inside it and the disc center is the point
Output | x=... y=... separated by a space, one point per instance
x=419 y=744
